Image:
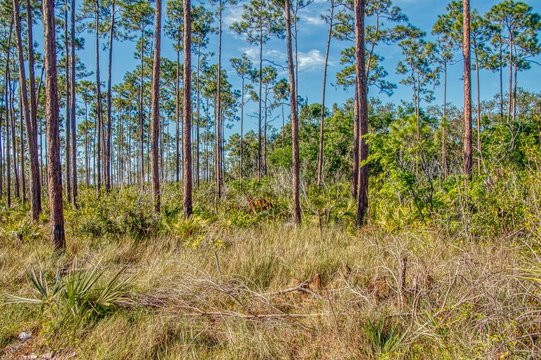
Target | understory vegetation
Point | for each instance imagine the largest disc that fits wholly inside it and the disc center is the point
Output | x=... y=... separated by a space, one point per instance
x=456 y=278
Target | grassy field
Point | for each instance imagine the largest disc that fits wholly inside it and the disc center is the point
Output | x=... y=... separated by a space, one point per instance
x=234 y=283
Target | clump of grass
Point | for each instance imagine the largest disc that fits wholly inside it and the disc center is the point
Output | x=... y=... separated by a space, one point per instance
x=384 y=338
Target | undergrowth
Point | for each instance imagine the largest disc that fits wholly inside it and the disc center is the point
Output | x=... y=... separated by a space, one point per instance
x=455 y=278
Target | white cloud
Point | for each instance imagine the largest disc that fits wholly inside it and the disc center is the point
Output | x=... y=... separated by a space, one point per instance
x=233 y=15
x=307 y=60
x=313 y=20
x=310 y=60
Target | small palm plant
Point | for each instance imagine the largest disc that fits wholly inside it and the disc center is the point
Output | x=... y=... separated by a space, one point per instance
x=80 y=295
x=47 y=294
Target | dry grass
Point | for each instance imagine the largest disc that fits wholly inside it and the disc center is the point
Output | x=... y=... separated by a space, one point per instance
x=276 y=292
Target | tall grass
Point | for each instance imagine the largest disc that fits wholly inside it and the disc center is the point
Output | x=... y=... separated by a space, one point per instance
x=140 y=286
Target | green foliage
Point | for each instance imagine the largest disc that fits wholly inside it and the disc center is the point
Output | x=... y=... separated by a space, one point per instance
x=78 y=297
x=125 y=212
x=384 y=337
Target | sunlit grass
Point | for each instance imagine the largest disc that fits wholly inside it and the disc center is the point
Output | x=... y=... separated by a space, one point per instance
x=204 y=288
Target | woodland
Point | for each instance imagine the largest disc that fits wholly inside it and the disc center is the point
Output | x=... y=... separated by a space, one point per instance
x=201 y=207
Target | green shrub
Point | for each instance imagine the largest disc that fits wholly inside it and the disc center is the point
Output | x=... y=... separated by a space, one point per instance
x=123 y=212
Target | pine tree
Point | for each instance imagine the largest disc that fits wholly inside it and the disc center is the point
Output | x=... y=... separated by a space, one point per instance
x=54 y=169
x=155 y=122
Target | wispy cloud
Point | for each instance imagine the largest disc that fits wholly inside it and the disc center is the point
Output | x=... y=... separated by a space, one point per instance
x=308 y=61
x=233 y=15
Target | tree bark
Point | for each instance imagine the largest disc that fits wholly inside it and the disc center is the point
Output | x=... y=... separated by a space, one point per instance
x=259 y=158
x=35 y=204
x=33 y=102
x=241 y=165
x=141 y=117
x=501 y=83
x=187 y=121
x=217 y=122
x=108 y=183
x=54 y=170
x=99 y=164
x=1 y=157
x=21 y=154
x=515 y=75
x=466 y=50
x=87 y=155
x=478 y=108
x=360 y=64
x=7 y=79
x=355 y=172
x=16 y=186
x=67 y=152
x=198 y=116
x=265 y=126
x=177 y=116
x=294 y=118
x=510 y=98
x=155 y=123
x=73 y=104
x=8 y=145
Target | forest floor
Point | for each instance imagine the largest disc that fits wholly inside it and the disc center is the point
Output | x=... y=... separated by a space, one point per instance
x=269 y=291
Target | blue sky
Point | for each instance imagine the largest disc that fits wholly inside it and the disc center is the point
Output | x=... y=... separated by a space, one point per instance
x=312 y=39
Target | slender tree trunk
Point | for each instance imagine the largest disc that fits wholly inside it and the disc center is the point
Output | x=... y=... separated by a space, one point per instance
x=87 y=155
x=241 y=164
x=8 y=145
x=21 y=155
x=43 y=151
x=217 y=122
x=198 y=116
x=31 y=130
x=323 y=88
x=162 y=149
x=355 y=172
x=296 y=43
x=294 y=118
x=187 y=125
x=67 y=152
x=177 y=116
x=56 y=217
x=16 y=186
x=259 y=164
x=94 y=155
x=155 y=123
x=362 y=191
x=1 y=157
x=99 y=164
x=511 y=60
x=73 y=104
x=109 y=99
x=478 y=93
x=265 y=126
x=444 y=124
x=515 y=75
x=501 y=83
x=141 y=117
x=33 y=107
x=466 y=49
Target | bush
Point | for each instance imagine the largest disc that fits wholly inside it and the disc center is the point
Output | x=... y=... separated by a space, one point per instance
x=123 y=212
